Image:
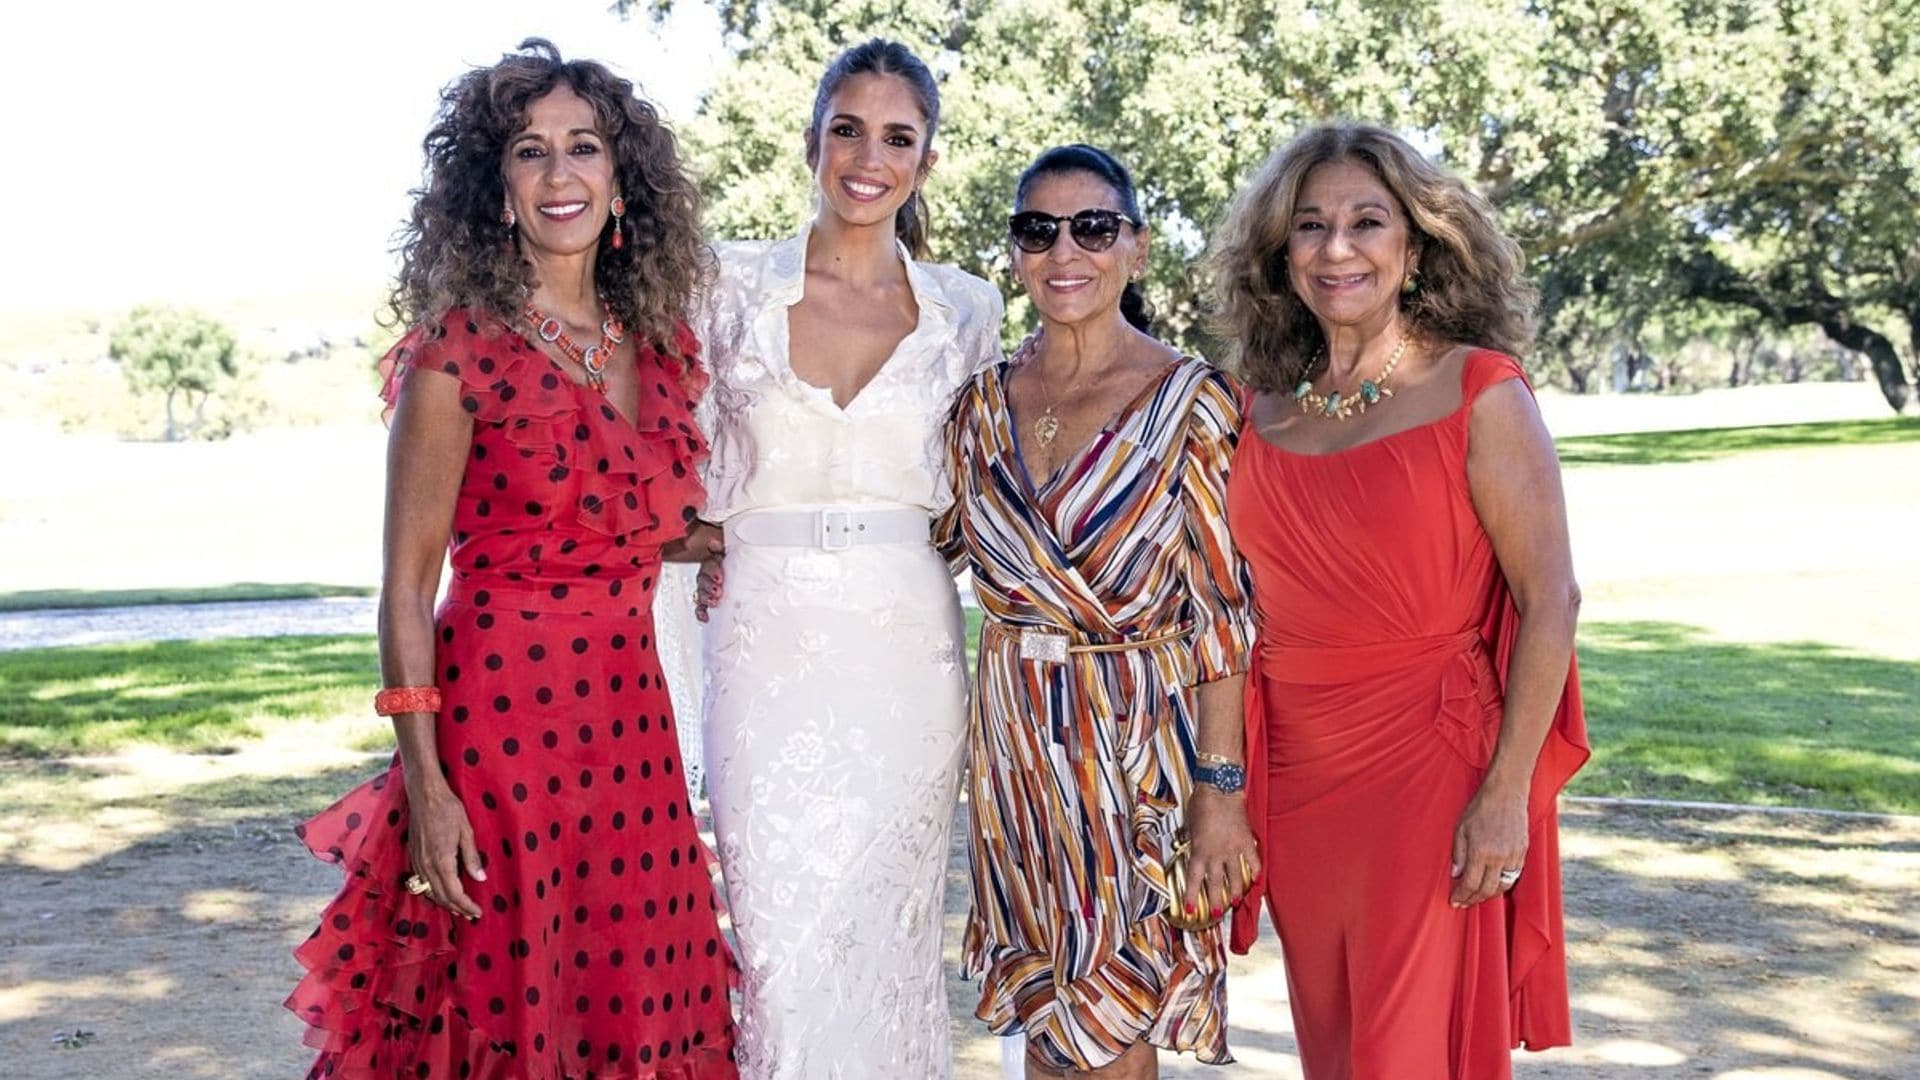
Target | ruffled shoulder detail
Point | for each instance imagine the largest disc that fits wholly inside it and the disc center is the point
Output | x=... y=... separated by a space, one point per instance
x=662 y=494
x=502 y=376
x=639 y=481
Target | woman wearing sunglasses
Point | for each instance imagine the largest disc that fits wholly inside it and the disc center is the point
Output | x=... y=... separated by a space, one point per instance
x=837 y=692
x=1091 y=486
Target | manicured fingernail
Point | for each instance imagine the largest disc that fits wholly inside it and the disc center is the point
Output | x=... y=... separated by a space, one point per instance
x=1189 y=907
x=1217 y=912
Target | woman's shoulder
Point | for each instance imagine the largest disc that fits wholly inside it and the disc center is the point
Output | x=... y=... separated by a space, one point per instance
x=1481 y=368
x=966 y=291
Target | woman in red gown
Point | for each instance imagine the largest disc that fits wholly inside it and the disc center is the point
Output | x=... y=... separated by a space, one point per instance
x=1413 y=711
x=526 y=893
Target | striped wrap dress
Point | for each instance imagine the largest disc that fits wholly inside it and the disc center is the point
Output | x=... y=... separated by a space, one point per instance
x=1080 y=766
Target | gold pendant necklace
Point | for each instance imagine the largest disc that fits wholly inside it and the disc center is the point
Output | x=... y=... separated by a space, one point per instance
x=1338 y=406
x=1046 y=426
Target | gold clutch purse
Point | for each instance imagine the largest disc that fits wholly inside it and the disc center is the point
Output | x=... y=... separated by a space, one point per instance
x=1202 y=917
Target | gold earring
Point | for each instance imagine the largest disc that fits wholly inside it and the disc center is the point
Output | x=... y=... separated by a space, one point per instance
x=1411 y=283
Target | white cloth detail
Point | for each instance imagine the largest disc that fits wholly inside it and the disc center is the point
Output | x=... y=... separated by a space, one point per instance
x=836 y=711
x=676 y=638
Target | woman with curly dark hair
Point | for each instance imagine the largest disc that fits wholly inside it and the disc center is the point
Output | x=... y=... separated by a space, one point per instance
x=526 y=892
x=1413 y=711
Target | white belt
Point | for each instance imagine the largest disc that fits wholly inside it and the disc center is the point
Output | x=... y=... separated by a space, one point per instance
x=833 y=528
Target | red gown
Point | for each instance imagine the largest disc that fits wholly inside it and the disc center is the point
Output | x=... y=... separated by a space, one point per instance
x=1385 y=631
x=599 y=951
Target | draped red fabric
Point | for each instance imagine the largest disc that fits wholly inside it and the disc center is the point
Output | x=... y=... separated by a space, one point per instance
x=1386 y=634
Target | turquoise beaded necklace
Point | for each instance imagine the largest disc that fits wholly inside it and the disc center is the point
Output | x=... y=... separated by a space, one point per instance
x=1338 y=406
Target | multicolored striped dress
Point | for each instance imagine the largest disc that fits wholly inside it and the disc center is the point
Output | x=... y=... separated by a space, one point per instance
x=1081 y=748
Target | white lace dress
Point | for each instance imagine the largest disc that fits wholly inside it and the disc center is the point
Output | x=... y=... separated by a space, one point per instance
x=836 y=690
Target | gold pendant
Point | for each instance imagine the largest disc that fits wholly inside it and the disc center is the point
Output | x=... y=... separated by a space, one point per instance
x=1045 y=428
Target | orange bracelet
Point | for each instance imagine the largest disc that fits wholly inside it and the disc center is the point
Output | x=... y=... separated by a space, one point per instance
x=407 y=699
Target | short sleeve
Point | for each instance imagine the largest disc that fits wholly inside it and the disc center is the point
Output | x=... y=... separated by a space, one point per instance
x=981 y=347
x=501 y=377
x=1485 y=368
x=1219 y=583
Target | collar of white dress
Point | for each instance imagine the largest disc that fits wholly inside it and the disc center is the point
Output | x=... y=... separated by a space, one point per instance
x=786 y=275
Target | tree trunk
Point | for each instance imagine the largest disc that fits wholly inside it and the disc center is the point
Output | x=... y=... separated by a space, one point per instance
x=172 y=431
x=1708 y=278
x=1880 y=353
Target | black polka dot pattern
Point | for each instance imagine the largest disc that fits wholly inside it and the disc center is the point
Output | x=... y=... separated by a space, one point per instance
x=545 y=681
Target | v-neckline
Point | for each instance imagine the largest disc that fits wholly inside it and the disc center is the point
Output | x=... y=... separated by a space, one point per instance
x=826 y=392
x=1111 y=427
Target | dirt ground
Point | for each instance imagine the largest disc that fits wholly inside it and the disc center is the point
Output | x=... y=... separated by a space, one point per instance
x=147 y=910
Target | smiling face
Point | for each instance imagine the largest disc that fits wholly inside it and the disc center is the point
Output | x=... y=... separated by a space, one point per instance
x=1068 y=283
x=1349 y=248
x=870 y=151
x=559 y=174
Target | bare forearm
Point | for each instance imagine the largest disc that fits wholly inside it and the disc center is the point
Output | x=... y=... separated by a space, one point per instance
x=407 y=659
x=1536 y=677
x=1222 y=730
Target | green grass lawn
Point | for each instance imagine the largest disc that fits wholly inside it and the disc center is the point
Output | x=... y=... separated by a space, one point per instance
x=197 y=695
x=42 y=599
x=1670 y=447
x=1673 y=714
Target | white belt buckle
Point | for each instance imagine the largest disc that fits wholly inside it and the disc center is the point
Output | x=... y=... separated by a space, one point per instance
x=833 y=530
x=1043 y=645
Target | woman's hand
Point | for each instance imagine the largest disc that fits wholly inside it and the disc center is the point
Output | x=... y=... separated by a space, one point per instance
x=1225 y=860
x=440 y=845
x=710 y=586
x=1491 y=837
x=703 y=540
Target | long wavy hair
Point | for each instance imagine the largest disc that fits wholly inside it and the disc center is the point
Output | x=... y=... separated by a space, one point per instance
x=882 y=57
x=1102 y=166
x=1468 y=286
x=454 y=250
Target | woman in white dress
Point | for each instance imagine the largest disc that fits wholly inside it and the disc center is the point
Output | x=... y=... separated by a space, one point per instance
x=835 y=660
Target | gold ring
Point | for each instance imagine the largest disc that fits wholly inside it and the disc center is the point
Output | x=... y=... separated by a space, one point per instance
x=418 y=885
x=1246 y=875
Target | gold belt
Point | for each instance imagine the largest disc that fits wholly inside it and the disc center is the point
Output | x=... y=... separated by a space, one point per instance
x=1054 y=644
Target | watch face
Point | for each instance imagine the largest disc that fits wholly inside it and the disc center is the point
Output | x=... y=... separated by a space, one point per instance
x=1227 y=779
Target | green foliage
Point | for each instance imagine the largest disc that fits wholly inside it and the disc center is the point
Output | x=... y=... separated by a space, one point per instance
x=1658 y=159
x=177 y=354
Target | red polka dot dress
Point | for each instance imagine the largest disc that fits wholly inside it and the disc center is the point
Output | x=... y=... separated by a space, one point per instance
x=599 y=954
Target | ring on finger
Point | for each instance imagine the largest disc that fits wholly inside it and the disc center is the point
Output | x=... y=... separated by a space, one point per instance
x=417 y=885
x=1509 y=876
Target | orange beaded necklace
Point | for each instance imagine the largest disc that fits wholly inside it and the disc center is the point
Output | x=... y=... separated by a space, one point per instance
x=593 y=358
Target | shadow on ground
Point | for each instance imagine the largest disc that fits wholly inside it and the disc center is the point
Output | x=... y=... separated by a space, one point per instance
x=1704 y=944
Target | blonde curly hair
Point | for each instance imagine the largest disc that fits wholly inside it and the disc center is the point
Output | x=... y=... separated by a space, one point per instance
x=1469 y=285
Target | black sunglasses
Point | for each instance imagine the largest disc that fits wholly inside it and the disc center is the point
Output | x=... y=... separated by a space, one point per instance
x=1094 y=230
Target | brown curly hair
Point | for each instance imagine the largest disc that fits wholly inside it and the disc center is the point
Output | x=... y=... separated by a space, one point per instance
x=454 y=252
x=1469 y=285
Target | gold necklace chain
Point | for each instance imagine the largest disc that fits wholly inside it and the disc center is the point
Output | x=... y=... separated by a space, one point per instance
x=1338 y=406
